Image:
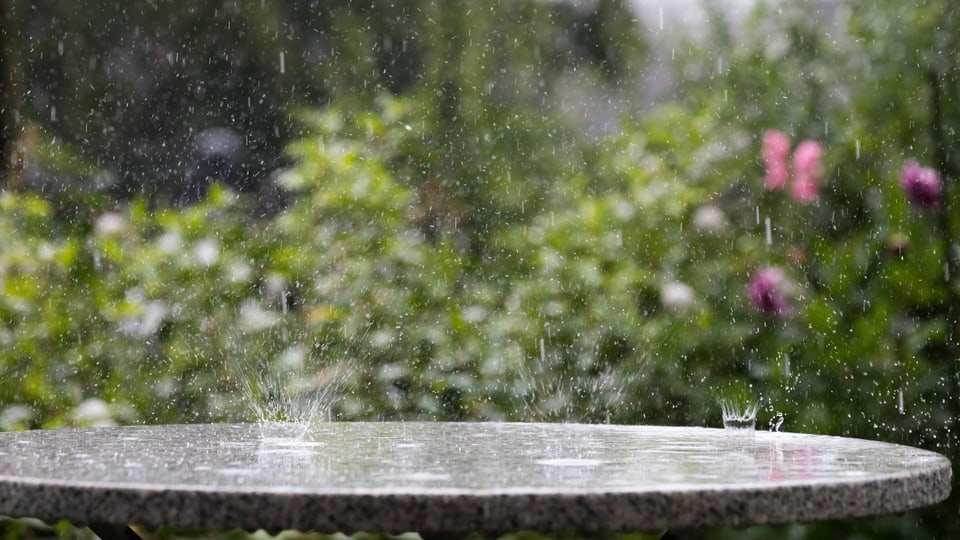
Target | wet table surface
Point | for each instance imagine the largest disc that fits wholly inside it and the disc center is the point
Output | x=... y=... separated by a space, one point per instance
x=455 y=478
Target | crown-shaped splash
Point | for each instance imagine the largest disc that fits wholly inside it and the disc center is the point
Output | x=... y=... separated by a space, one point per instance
x=739 y=415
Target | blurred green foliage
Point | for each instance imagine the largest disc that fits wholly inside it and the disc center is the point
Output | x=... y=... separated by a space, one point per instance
x=446 y=254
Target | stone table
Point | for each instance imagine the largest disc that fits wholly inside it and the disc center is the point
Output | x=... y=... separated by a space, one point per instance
x=453 y=478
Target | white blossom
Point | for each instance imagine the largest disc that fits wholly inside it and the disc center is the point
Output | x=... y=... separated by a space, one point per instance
x=677 y=296
x=206 y=252
x=93 y=412
x=109 y=224
x=709 y=219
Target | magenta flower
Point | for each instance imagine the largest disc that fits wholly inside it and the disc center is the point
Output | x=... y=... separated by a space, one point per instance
x=766 y=292
x=807 y=171
x=921 y=184
x=776 y=148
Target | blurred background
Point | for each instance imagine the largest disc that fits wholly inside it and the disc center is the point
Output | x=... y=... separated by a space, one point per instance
x=525 y=210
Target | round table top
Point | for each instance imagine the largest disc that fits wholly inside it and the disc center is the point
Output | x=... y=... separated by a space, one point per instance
x=455 y=477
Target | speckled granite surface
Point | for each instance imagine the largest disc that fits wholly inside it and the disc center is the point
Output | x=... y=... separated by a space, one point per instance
x=456 y=478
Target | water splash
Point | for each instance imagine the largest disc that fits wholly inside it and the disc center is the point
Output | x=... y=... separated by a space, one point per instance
x=277 y=400
x=550 y=394
x=739 y=415
x=287 y=402
x=284 y=382
x=281 y=432
x=777 y=421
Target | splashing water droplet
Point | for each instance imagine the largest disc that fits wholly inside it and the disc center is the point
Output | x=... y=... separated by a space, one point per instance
x=777 y=422
x=739 y=416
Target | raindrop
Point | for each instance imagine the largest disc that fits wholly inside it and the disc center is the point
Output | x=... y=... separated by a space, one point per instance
x=283 y=64
x=768 y=230
x=858 y=148
x=900 y=400
x=661 y=17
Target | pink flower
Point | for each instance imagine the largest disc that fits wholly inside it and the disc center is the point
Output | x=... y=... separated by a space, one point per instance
x=777 y=175
x=806 y=158
x=766 y=292
x=807 y=171
x=776 y=148
x=806 y=189
x=921 y=184
x=807 y=168
x=776 y=145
